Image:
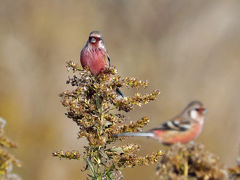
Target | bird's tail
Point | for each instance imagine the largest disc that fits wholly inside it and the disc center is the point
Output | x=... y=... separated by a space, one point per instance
x=141 y=134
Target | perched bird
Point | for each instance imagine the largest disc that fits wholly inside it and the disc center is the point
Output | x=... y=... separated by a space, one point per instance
x=183 y=128
x=94 y=55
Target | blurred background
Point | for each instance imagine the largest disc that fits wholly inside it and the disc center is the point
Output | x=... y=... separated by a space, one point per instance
x=189 y=50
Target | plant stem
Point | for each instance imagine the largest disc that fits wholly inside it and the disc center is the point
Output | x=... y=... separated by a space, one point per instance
x=185 y=170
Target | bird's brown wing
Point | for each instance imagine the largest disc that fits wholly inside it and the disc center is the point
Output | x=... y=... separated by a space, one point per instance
x=175 y=125
x=108 y=58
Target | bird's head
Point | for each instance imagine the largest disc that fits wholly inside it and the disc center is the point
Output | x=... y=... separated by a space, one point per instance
x=196 y=111
x=95 y=40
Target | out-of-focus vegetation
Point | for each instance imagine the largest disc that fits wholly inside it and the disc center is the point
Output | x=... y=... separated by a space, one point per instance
x=190 y=161
x=187 y=49
x=7 y=160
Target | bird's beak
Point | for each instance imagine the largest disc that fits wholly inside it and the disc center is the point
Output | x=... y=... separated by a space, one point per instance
x=204 y=111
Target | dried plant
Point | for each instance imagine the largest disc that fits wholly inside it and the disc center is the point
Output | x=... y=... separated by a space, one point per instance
x=190 y=161
x=100 y=114
x=234 y=172
x=7 y=160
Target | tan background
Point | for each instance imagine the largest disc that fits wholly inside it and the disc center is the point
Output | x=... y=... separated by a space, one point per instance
x=186 y=49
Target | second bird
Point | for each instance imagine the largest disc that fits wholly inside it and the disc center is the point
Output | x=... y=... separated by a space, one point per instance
x=183 y=128
x=94 y=55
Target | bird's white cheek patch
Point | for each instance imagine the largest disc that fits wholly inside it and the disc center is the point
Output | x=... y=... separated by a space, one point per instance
x=194 y=114
x=101 y=45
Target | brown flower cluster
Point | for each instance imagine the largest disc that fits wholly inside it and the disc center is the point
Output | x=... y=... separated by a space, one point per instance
x=234 y=172
x=101 y=114
x=68 y=155
x=7 y=160
x=190 y=161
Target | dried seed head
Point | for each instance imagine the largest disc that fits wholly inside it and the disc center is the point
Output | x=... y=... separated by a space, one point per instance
x=100 y=114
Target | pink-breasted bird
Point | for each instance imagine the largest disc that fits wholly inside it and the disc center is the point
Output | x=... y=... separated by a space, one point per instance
x=94 y=55
x=183 y=128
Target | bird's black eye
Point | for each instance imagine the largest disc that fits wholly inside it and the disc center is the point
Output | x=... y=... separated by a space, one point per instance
x=92 y=40
x=197 y=109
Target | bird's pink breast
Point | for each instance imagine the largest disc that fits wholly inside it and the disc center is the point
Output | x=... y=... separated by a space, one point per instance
x=95 y=59
x=170 y=137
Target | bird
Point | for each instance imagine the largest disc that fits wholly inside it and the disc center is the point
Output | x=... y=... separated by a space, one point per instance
x=183 y=128
x=94 y=55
